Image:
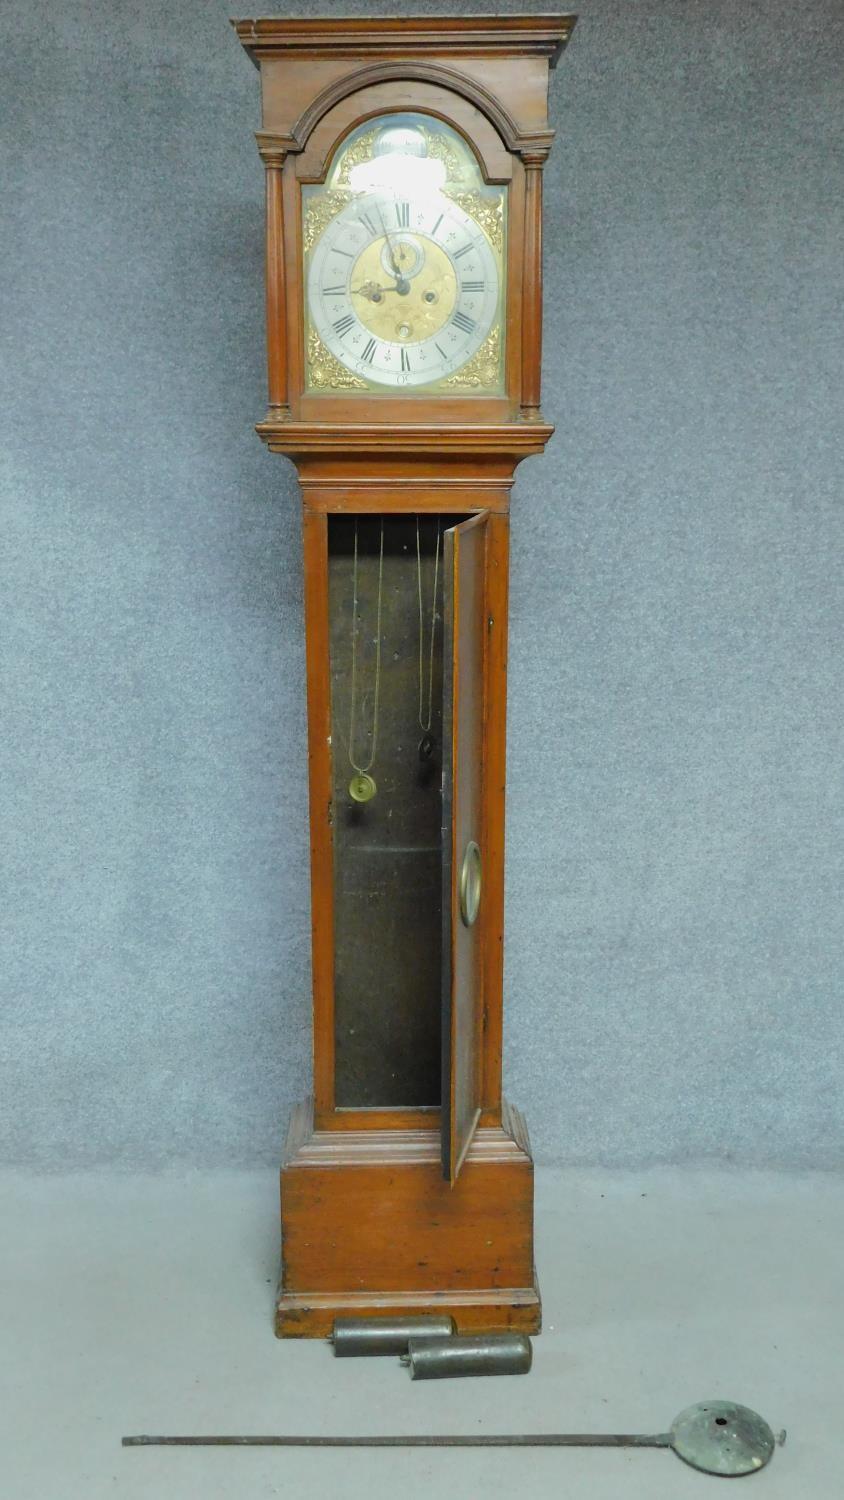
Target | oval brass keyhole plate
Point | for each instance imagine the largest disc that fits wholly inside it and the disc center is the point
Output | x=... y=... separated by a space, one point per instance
x=470 y=884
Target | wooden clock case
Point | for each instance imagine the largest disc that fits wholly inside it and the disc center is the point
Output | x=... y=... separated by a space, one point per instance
x=420 y=1207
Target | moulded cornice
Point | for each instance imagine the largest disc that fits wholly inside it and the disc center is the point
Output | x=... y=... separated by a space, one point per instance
x=483 y=36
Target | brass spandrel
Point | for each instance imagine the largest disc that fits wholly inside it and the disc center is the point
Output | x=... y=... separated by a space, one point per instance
x=482 y=371
x=487 y=212
x=319 y=213
x=325 y=372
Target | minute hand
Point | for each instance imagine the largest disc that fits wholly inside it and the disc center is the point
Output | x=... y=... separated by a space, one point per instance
x=402 y=286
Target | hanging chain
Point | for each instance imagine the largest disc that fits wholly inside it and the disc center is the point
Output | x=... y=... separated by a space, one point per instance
x=373 y=744
x=425 y=718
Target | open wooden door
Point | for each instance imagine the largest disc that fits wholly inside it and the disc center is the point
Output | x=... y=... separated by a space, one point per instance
x=464 y=635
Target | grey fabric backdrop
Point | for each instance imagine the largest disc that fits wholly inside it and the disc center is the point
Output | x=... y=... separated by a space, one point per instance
x=674 y=952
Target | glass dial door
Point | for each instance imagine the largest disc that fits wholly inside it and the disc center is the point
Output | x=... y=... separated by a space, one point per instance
x=404 y=265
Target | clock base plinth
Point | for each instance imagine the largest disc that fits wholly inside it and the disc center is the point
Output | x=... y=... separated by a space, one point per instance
x=370 y=1226
x=303 y=1315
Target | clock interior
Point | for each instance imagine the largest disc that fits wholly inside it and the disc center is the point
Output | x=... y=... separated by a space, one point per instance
x=386 y=668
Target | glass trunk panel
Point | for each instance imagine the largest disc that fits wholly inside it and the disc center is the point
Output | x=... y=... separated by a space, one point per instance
x=388 y=849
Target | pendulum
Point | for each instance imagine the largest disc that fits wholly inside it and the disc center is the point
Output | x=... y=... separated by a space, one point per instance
x=427 y=743
x=362 y=787
x=714 y=1437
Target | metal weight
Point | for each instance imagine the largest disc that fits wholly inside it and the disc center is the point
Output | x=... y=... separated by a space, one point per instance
x=353 y=1337
x=492 y=1354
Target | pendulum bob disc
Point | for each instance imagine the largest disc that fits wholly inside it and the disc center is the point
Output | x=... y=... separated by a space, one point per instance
x=721 y=1437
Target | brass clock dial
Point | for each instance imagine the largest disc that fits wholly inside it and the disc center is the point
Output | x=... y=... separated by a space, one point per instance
x=404 y=273
x=403 y=290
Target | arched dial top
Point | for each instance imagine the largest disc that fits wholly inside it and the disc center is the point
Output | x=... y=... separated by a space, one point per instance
x=404 y=273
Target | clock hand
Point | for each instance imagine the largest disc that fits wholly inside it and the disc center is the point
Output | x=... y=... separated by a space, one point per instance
x=369 y=289
x=373 y=290
x=389 y=241
x=402 y=286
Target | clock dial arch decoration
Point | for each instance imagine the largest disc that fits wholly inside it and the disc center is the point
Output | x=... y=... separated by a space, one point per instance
x=404 y=264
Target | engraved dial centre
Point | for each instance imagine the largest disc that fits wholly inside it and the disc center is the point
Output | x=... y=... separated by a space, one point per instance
x=412 y=300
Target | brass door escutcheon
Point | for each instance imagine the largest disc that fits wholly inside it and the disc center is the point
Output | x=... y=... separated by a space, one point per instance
x=470 y=883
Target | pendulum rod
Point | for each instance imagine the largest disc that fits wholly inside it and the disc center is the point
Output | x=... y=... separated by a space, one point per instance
x=449 y=1440
x=362 y=787
x=427 y=743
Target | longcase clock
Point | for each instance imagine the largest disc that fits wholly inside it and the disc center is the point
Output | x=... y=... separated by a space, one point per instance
x=404 y=311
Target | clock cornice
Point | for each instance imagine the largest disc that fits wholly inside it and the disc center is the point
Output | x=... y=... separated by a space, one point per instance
x=481 y=36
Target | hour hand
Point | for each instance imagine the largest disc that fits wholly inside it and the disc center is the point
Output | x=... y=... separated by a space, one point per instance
x=372 y=290
x=375 y=291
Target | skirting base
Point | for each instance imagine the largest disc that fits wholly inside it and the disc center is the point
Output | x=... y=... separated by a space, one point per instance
x=492 y=1311
x=371 y=1228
